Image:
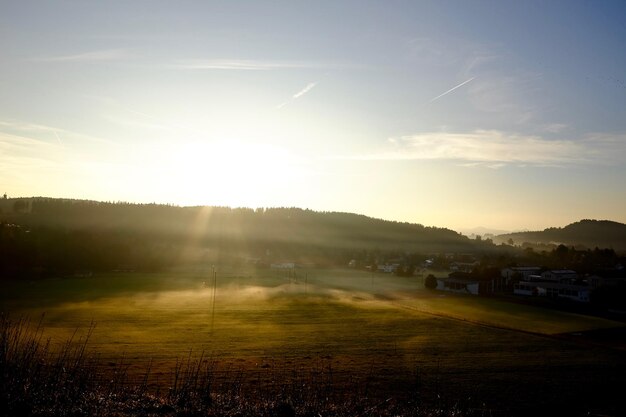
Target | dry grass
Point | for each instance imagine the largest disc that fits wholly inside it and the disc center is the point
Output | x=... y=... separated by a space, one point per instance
x=73 y=382
x=342 y=341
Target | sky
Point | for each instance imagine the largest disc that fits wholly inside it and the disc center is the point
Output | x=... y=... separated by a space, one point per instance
x=459 y=114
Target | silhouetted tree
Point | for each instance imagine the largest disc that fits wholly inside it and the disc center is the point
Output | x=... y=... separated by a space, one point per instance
x=430 y=282
x=561 y=252
x=19 y=206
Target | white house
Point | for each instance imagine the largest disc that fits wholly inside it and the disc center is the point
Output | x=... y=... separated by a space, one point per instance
x=596 y=281
x=553 y=290
x=559 y=275
x=523 y=271
x=458 y=285
x=388 y=268
x=463 y=266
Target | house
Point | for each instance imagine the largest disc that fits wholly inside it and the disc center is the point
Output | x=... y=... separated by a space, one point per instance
x=463 y=266
x=523 y=272
x=596 y=281
x=283 y=265
x=388 y=268
x=607 y=277
x=553 y=289
x=559 y=275
x=458 y=282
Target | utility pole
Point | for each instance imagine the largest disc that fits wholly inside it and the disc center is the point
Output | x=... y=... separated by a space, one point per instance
x=213 y=303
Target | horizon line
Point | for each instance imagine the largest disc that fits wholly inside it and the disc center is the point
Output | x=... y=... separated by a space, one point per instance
x=454 y=229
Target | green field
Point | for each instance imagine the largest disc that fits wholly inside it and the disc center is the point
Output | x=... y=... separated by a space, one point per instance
x=384 y=331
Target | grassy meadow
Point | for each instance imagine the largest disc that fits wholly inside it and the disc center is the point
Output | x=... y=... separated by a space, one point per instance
x=385 y=335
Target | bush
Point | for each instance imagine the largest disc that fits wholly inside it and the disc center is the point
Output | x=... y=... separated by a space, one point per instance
x=430 y=282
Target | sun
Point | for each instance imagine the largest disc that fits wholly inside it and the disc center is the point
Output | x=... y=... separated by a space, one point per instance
x=230 y=172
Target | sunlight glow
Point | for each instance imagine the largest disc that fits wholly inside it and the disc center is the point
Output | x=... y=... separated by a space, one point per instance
x=228 y=172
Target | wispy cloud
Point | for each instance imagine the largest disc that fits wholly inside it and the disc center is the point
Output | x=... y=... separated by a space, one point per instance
x=18 y=143
x=245 y=65
x=100 y=55
x=514 y=97
x=27 y=127
x=41 y=166
x=495 y=149
x=555 y=127
x=46 y=132
x=502 y=83
x=451 y=90
x=58 y=138
x=19 y=152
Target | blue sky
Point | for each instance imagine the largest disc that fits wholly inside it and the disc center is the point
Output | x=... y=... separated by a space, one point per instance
x=509 y=115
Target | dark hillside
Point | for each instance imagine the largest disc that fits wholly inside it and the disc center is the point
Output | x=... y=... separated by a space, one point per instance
x=77 y=234
x=219 y=223
x=590 y=233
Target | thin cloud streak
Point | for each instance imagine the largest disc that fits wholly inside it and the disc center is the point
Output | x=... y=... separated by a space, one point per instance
x=27 y=127
x=19 y=143
x=451 y=90
x=102 y=55
x=58 y=138
x=37 y=128
x=245 y=65
x=21 y=154
x=157 y=123
x=495 y=149
x=555 y=128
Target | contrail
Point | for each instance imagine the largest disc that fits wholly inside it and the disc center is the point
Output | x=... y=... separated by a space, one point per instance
x=305 y=90
x=58 y=138
x=299 y=94
x=451 y=90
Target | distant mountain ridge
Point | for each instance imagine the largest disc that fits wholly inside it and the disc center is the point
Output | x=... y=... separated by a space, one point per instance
x=483 y=231
x=590 y=233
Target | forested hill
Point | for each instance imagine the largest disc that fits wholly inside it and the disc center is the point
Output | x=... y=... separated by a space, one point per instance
x=589 y=233
x=291 y=231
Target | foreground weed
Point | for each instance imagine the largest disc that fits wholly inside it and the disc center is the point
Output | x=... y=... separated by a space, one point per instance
x=36 y=380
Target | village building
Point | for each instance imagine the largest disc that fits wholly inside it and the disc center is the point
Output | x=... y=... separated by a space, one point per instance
x=464 y=266
x=459 y=282
x=607 y=277
x=523 y=272
x=559 y=275
x=458 y=285
x=552 y=289
x=388 y=268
